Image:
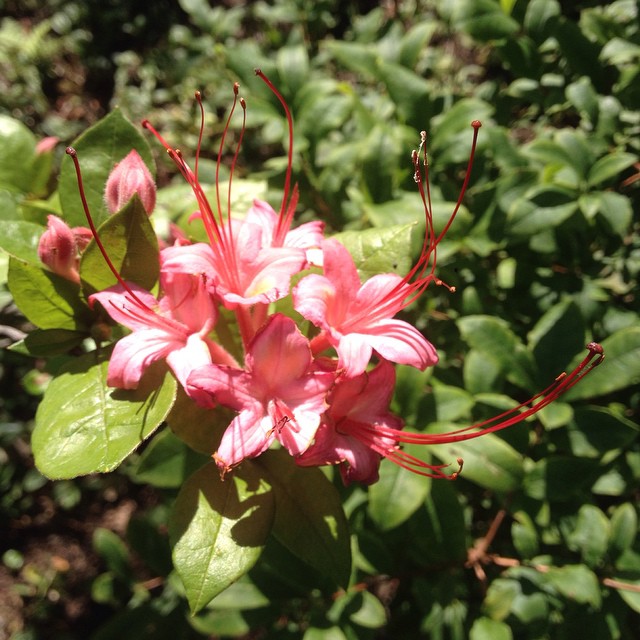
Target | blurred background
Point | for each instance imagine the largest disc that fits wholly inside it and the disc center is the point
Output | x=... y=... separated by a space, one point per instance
x=539 y=538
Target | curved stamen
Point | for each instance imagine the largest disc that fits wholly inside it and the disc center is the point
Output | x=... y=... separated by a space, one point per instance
x=71 y=152
x=286 y=208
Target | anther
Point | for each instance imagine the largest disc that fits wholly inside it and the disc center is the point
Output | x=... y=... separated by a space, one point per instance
x=476 y=124
x=236 y=88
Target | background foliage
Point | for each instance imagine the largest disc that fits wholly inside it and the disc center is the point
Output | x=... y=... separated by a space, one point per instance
x=539 y=538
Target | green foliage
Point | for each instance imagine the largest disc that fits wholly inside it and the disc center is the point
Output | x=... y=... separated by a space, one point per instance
x=539 y=536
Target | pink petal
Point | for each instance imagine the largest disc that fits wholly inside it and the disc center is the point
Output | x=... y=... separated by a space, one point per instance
x=134 y=353
x=248 y=435
x=125 y=310
x=279 y=353
x=193 y=355
x=312 y=297
x=401 y=342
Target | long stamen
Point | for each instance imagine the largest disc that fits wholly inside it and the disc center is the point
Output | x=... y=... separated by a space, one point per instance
x=71 y=152
x=508 y=418
x=286 y=210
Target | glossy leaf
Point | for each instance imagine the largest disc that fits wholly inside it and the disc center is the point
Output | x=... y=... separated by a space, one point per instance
x=379 y=250
x=46 y=299
x=218 y=529
x=83 y=426
x=309 y=521
x=620 y=369
x=488 y=461
x=20 y=240
x=493 y=336
x=577 y=583
x=396 y=496
x=132 y=247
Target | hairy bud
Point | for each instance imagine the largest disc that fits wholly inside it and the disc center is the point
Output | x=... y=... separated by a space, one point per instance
x=130 y=177
x=58 y=249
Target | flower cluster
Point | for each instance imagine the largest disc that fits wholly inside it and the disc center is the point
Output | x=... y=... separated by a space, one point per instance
x=324 y=396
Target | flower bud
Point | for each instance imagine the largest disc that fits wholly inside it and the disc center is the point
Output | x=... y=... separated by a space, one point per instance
x=129 y=177
x=58 y=249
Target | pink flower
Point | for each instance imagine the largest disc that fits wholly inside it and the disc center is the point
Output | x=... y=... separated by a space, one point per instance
x=249 y=261
x=128 y=178
x=357 y=429
x=357 y=406
x=356 y=318
x=280 y=394
x=176 y=328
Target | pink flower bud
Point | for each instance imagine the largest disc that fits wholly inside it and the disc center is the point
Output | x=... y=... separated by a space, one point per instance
x=58 y=249
x=46 y=145
x=130 y=176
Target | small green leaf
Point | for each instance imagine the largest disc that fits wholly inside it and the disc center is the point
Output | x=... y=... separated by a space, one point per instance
x=488 y=460
x=590 y=535
x=218 y=529
x=46 y=299
x=132 y=246
x=20 y=240
x=610 y=166
x=543 y=208
x=310 y=520
x=619 y=370
x=624 y=527
x=83 y=426
x=99 y=148
x=18 y=154
x=113 y=551
x=379 y=250
x=396 y=496
x=488 y=629
x=577 y=583
x=493 y=336
x=43 y=343
x=167 y=462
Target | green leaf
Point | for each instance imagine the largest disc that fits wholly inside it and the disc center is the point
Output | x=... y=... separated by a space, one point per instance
x=99 y=149
x=620 y=369
x=114 y=552
x=218 y=529
x=50 y=342
x=310 y=520
x=616 y=209
x=396 y=496
x=542 y=209
x=524 y=535
x=359 y=607
x=488 y=629
x=624 y=527
x=557 y=336
x=485 y=20
x=577 y=583
x=610 y=166
x=596 y=430
x=132 y=246
x=493 y=336
x=46 y=299
x=488 y=460
x=591 y=535
x=18 y=154
x=379 y=250
x=20 y=240
x=83 y=426
x=293 y=66
x=167 y=462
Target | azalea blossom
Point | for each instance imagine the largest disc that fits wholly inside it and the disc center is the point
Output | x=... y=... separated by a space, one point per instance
x=356 y=318
x=176 y=328
x=357 y=432
x=357 y=403
x=280 y=394
x=249 y=261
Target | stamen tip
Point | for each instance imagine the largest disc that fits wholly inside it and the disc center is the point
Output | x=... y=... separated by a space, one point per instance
x=257 y=71
x=476 y=124
x=236 y=88
x=595 y=348
x=70 y=151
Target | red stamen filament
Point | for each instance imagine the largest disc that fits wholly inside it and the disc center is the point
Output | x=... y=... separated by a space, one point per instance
x=371 y=433
x=287 y=207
